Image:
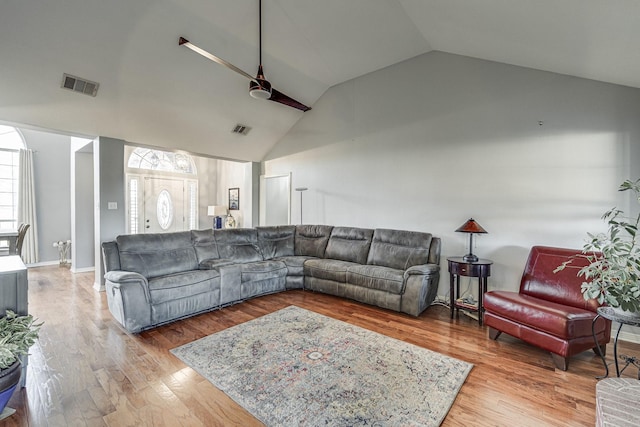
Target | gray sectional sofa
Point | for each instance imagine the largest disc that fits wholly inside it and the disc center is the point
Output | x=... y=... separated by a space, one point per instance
x=152 y=279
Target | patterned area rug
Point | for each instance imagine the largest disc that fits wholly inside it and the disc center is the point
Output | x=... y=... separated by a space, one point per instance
x=295 y=367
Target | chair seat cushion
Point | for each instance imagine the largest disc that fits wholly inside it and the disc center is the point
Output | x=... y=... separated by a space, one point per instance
x=556 y=319
x=377 y=277
x=295 y=264
x=262 y=270
x=328 y=269
x=181 y=285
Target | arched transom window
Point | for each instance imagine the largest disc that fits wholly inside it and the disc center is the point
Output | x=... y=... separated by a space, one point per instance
x=145 y=158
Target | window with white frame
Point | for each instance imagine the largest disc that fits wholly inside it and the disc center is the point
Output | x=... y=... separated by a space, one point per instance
x=10 y=142
x=134 y=215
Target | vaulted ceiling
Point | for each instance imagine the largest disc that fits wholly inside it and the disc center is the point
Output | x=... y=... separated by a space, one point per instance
x=154 y=92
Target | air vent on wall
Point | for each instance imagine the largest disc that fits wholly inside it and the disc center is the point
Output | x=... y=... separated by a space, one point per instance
x=79 y=85
x=241 y=129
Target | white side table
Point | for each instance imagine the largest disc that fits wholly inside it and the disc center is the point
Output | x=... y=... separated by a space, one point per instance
x=14 y=291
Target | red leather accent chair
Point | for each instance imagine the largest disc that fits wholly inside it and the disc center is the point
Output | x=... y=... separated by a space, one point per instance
x=549 y=311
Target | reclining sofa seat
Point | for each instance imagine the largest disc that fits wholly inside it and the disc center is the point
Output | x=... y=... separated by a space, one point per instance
x=152 y=279
x=549 y=310
x=155 y=278
x=393 y=269
x=243 y=271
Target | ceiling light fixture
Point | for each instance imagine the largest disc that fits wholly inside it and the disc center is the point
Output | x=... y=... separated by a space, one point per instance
x=260 y=88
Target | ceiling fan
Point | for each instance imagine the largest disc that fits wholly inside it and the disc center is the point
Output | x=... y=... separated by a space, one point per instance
x=259 y=87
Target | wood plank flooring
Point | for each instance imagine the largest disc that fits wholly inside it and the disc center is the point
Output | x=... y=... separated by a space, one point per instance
x=86 y=370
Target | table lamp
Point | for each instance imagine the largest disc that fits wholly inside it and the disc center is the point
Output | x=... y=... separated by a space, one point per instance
x=471 y=227
x=217 y=212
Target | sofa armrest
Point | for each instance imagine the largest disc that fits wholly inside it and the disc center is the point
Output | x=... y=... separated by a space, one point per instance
x=117 y=276
x=420 y=288
x=423 y=270
x=210 y=264
x=129 y=299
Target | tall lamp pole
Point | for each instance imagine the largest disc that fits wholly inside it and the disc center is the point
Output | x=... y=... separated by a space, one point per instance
x=301 y=189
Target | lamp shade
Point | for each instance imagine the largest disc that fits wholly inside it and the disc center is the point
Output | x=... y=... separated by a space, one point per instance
x=471 y=226
x=216 y=210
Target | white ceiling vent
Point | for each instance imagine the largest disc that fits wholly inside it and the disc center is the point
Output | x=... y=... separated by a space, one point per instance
x=241 y=129
x=80 y=85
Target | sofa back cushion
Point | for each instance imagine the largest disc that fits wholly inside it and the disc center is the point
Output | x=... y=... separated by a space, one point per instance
x=110 y=256
x=205 y=244
x=277 y=241
x=563 y=287
x=157 y=254
x=399 y=249
x=238 y=244
x=349 y=244
x=311 y=240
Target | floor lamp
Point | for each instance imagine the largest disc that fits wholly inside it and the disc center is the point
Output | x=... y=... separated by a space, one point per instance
x=301 y=189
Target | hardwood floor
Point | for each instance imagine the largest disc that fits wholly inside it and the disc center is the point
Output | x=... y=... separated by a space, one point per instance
x=85 y=370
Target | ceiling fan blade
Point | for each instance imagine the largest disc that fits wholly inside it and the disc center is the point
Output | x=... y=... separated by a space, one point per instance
x=186 y=43
x=280 y=97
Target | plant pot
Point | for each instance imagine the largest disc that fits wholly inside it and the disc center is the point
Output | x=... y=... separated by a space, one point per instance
x=9 y=379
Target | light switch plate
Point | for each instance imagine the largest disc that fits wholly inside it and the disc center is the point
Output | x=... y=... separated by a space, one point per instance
x=112 y=205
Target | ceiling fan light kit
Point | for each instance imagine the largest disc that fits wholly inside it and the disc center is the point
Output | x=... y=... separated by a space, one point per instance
x=259 y=87
x=258 y=92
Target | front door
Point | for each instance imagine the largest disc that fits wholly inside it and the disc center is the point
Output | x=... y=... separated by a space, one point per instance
x=164 y=207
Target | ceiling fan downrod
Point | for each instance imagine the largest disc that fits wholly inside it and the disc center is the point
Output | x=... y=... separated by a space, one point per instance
x=260 y=88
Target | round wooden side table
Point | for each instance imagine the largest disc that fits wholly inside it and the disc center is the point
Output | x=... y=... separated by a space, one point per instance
x=459 y=267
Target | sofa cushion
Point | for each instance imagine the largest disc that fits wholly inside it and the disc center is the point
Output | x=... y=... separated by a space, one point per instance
x=238 y=244
x=399 y=249
x=181 y=285
x=205 y=244
x=376 y=277
x=559 y=320
x=262 y=270
x=277 y=241
x=311 y=240
x=349 y=244
x=540 y=279
x=328 y=269
x=157 y=254
x=295 y=264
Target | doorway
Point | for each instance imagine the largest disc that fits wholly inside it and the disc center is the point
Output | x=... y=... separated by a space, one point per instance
x=161 y=204
x=275 y=200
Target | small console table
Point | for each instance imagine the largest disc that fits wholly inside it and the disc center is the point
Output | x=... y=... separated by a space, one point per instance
x=459 y=267
x=615 y=316
x=14 y=293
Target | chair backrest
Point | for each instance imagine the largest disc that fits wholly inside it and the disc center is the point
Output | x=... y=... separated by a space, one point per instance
x=22 y=231
x=563 y=287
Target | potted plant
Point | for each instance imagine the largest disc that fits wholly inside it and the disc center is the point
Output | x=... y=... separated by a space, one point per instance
x=612 y=275
x=17 y=334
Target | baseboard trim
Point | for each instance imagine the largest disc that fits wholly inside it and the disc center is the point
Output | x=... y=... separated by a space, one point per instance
x=83 y=269
x=626 y=335
x=43 y=264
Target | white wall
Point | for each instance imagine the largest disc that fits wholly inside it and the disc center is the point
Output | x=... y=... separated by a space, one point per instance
x=51 y=165
x=109 y=186
x=82 y=225
x=425 y=144
x=240 y=175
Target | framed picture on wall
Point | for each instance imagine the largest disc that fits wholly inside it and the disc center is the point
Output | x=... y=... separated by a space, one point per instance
x=234 y=199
